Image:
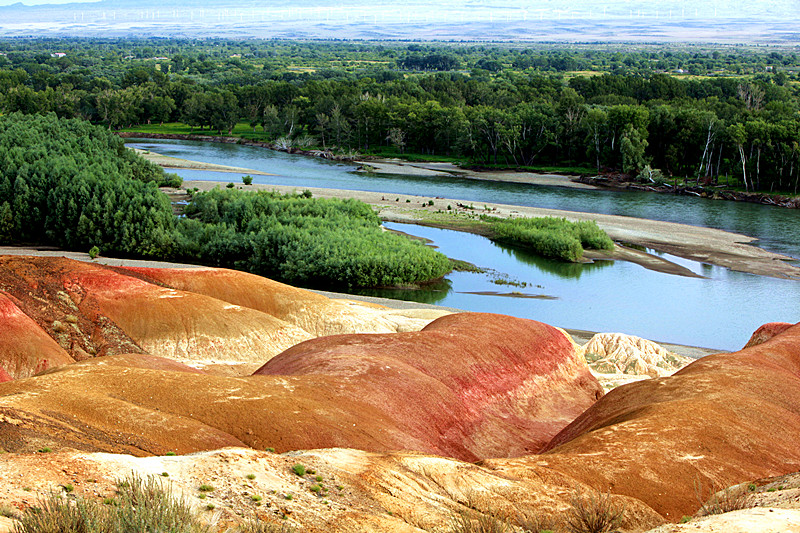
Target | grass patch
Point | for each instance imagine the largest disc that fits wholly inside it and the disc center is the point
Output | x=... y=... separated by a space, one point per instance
x=551 y=237
x=142 y=504
x=299 y=469
x=723 y=501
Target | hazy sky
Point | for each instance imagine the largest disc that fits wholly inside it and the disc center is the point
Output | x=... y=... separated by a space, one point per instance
x=37 y=2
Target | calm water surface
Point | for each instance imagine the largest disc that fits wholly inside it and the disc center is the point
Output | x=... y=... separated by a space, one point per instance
x=717 y=312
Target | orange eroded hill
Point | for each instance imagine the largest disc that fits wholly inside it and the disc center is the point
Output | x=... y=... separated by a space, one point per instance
x=310 y=311
x=25 y=348
x=722 y=420
x=92 y=309
x=462 y=387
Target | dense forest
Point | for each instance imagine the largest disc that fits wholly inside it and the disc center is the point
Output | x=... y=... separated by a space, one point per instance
x=717 y=116
x=69 y=183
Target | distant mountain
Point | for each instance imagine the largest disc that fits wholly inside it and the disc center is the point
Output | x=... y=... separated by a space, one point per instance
x=731 y=21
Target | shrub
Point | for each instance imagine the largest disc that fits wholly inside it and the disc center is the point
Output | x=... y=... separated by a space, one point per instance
x=551 y=237
x=474 y=522
x=141 y=505
x=247 y=180
x=724 y=501
x=593 y=513
x=205 y=488
x=299 y=469
x=94 y=251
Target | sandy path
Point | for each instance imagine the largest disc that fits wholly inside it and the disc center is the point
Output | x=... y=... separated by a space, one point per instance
x=712 y=246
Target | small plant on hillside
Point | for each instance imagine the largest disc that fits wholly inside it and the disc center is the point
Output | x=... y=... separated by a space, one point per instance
x=593 y=513
x=539 y=523
x=474 y=522
x=299 y=469
x=251 y=476
x=142 y=504
x=256 y=525
x=94 y=251
x=205 y=488
x=724 y=501
x=247 y=180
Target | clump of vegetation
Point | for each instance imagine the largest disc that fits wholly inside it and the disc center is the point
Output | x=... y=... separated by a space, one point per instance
x=724 y=501
x=551 y=237
x=299 y=469
x=307 y=241
x=256 y=525
x=205 y=488
x=142 y=504
x=247 y=180
x=474 y=522
x=593 y=513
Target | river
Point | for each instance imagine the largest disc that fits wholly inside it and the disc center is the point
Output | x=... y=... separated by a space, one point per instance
x=718 y=311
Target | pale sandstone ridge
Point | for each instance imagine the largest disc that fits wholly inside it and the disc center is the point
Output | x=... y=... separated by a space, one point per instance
x=722 y=420
x=762 y=520
x=616 y=358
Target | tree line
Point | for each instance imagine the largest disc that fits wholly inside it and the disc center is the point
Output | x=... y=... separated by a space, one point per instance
x=75 y=185
x=486 y=105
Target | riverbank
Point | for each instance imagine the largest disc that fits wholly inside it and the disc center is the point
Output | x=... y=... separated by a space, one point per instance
x=435 y=170
x=706 y=245
x=391 y=166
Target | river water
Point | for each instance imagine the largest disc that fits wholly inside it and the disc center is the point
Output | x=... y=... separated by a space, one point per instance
x=718 y=311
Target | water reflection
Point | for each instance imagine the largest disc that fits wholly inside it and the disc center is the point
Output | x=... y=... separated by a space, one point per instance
x=561 y=269
x=432 y=293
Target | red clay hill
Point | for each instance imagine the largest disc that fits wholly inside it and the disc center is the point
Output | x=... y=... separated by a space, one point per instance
x=463 y=387
x=722 y=420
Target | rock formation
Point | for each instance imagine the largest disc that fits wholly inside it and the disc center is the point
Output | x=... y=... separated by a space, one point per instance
x=56 y=311
x=724 y=419
x=461 y=387
x=307 y=310
x=766 y=332
x=484 y=392
x=25 y=348
x=358 y=491
x=616 y=358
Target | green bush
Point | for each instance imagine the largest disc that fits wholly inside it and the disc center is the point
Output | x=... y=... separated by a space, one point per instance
x=551 y=237
x=247 y=180
x=301 y=240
